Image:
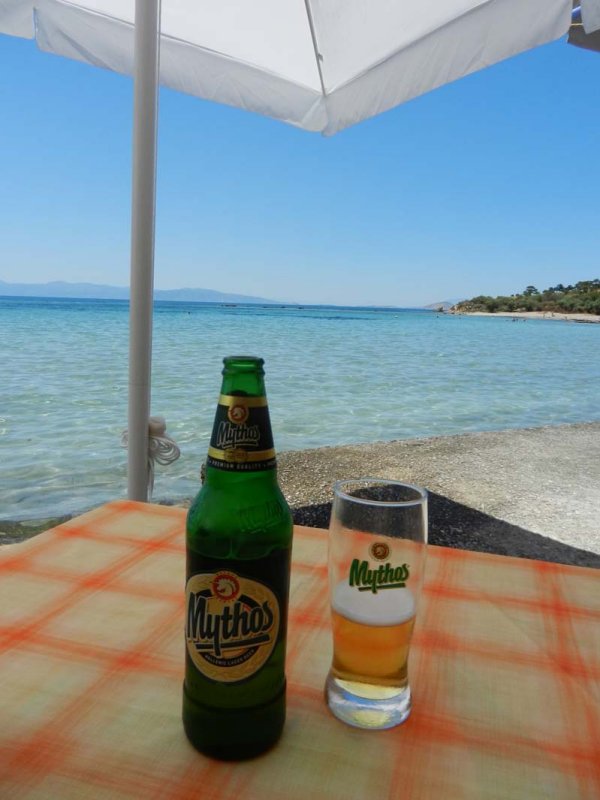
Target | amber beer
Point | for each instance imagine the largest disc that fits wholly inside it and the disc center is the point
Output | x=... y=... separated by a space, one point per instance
x=371 y=636
x=239 y=535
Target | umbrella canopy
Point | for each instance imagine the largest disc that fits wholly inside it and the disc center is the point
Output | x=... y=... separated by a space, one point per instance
x=321 y=65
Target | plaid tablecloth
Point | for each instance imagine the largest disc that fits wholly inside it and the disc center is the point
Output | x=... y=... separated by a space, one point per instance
x=505 y=671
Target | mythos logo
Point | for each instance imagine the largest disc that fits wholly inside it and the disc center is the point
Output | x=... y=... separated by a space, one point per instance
x=232 y=625
x=385 y=576
x=230 y=435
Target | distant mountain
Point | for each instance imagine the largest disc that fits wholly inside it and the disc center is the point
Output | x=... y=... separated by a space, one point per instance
x=444 y=304
x=99 y=292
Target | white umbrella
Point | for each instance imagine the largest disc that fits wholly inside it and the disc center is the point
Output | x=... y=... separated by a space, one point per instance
x=321 y=65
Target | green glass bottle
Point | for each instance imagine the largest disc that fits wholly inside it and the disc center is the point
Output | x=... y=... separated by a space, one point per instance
x=239 y=538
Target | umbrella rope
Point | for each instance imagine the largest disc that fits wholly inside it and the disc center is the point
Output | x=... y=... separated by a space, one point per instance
x=161 y=448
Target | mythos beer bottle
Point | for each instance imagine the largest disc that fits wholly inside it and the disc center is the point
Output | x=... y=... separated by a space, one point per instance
x=239 y=537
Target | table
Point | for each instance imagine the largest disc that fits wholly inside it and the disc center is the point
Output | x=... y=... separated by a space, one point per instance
x=505 y=671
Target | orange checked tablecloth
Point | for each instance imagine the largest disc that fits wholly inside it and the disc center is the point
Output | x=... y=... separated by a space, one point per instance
x=505 y=670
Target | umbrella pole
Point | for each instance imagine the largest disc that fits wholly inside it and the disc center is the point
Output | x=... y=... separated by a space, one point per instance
x=143 y=204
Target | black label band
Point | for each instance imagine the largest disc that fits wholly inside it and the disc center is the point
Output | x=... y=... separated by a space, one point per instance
x=241 y=438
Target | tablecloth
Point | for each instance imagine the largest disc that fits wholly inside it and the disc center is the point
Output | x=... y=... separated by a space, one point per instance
x=505 y=671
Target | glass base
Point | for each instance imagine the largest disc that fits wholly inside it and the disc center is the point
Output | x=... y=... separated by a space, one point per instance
x=366 y=705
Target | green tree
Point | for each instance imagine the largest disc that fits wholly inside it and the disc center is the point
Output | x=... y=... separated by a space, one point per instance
x=584 y=297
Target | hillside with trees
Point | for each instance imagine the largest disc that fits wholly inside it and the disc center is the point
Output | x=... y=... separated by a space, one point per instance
x=582 y=298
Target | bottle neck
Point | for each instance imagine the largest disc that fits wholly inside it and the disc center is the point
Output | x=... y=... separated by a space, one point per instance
x=243 y=378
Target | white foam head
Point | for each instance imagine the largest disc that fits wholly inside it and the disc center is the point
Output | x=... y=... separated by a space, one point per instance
x=387 y=607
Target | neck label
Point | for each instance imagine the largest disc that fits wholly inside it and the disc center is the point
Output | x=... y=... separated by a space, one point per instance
x=241 y=439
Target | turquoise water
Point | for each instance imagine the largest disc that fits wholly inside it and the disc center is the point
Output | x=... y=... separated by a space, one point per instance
x=334 y=376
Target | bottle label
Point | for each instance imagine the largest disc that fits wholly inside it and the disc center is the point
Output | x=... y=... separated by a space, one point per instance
x=232 y=624
x=241 y=440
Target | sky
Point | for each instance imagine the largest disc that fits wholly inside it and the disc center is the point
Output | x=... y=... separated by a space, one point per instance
x=484 y=186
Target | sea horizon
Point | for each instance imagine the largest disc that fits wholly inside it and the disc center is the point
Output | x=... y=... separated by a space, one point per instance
x=214 y=303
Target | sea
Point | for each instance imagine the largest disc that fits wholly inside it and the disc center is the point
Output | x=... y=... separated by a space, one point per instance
x=334 y=376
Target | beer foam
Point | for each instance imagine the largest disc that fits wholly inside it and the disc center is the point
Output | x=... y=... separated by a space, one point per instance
x=387 y=607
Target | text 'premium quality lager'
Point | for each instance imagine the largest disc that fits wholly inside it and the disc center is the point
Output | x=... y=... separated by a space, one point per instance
x=239 y=536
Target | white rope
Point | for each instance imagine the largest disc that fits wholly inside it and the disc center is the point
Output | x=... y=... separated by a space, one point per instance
x=161 y=448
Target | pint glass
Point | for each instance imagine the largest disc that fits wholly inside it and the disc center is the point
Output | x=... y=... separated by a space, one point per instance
x=377 y=545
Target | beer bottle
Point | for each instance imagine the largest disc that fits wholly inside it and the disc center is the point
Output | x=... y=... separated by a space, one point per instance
x=239 y=537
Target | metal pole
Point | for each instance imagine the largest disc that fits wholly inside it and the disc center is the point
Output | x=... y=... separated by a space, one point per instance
x=143 y=204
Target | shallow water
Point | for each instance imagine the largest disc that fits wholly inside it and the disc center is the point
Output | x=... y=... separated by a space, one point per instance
x=334 y=376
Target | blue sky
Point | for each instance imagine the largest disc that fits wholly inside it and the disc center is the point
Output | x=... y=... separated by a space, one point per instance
x=481 y=187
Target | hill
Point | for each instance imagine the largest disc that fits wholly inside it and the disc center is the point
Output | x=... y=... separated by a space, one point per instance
x=101 y=292
x=443 y=305
x=582 y=298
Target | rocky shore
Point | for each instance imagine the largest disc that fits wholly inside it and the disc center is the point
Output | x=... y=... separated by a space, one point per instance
x=531 y=493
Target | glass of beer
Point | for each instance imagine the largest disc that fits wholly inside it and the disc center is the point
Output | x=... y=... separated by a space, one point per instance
x=377 y=546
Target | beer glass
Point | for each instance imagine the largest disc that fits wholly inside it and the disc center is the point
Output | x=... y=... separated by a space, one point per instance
x=377 y=546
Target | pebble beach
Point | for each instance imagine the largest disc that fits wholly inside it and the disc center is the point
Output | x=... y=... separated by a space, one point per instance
x=530 y=493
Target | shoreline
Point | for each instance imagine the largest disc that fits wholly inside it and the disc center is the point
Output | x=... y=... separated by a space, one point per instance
x=525 y=315
x=525 y=492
